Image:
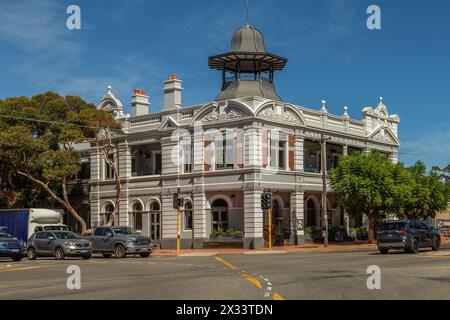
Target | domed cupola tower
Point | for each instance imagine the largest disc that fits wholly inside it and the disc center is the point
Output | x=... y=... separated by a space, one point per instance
x=248 y=69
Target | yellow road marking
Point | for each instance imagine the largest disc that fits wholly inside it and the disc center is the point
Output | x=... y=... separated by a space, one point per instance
x=19 y=269
x=229 y=265
x=277 y=296
x=253 y=280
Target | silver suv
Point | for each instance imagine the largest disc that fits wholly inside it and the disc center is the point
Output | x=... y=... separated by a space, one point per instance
x=59 y=244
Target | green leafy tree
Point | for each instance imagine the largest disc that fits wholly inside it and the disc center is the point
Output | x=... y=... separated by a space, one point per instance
x=364 y=184
x=38 y=139
x=429 y=194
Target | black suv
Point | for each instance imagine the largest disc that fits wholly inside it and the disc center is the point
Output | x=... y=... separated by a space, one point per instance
x=408 y=235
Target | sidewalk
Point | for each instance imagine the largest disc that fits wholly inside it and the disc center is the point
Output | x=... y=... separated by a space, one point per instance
x=341 y=247
x=361 y=246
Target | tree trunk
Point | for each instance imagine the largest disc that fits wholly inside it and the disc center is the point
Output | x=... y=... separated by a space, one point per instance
x=65 y=203
x=118 y=194
x=371 y=230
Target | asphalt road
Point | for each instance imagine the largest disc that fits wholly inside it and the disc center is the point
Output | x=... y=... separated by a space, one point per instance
x=236 y=277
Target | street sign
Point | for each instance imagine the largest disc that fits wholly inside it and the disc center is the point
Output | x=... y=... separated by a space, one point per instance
x=266 y=201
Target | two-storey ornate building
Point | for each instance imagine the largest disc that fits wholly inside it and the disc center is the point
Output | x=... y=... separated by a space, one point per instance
x=222 y=155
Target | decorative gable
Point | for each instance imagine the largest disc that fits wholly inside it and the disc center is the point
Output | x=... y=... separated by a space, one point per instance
x=384 y=135
x=168 y=125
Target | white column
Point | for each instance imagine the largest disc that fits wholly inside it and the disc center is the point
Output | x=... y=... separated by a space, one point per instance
x=94 y=188
x=253 y=150
x=253 y=219
x=297 y=218
x=169 y=222
x=345 y=150
x=299 y=153
x=124 y=158
x=200 y=220
x=170 y=156
x=394 y=157
x=198 y=155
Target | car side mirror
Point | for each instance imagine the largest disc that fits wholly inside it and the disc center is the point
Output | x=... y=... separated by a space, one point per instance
x=108 y=234
x=51 y=238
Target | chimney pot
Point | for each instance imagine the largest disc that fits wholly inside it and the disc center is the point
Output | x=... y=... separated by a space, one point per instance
x=140 y=104
x=172 y=93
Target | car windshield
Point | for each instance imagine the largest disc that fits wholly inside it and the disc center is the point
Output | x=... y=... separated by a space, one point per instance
x=66 y=235
x=124 y=231
x=4 y=235
x=392 y=226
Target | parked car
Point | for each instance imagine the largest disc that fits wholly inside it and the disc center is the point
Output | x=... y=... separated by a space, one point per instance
x=11 y=247
x=119 y=241
x=408 y=235
x=59 y=244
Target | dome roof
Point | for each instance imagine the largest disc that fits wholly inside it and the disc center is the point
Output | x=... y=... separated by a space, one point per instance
x=247 y=39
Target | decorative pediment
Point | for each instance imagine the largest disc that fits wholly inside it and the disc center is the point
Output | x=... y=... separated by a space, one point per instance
x=384 y=135
x=212 y=116
x=285 y=113
x=293 y=115
x=168 y=125
x=233 y=114
x=268 y=113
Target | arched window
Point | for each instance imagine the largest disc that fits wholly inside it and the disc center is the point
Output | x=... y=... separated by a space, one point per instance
x=108 y=210
x=154 y=206
x=219 y=210
x=188 y=217
x=136 y=214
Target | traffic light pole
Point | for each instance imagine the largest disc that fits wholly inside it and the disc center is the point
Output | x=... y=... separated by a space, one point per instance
x=270 y=229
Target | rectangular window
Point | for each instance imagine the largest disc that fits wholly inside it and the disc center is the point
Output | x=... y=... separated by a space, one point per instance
x=187 y=157
x=278 y=154
x=188 y=217
x=108 y=169
x=224 y=154
x=157 y=164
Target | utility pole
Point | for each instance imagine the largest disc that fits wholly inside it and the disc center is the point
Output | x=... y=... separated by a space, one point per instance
x=323 y=143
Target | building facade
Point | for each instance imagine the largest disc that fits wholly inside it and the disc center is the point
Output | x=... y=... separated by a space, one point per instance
x=222 y=155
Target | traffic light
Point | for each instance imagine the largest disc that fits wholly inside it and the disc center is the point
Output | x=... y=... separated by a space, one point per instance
x=177 y=202
x=266 y=201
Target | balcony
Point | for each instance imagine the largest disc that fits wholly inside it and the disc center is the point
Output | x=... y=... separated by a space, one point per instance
x=146 y=160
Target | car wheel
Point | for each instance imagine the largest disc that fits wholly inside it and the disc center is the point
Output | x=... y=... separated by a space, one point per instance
x=145 y=255
x=120 y=251
x=17 y=257
x=384 y=251
x=86 y=256
x=31 y=254
x=415 y=246
x=59 y=254
x=107 y=255
x=436 y=244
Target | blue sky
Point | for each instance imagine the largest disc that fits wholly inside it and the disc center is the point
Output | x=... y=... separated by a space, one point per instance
x=332 y=55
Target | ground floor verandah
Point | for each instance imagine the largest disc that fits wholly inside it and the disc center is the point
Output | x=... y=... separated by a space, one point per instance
x=231 y=216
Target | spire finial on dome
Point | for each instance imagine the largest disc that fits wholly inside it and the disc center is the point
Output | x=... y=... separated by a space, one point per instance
x=247 y=15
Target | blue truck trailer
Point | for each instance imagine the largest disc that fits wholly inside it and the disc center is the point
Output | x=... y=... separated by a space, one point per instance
x=22 y=223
